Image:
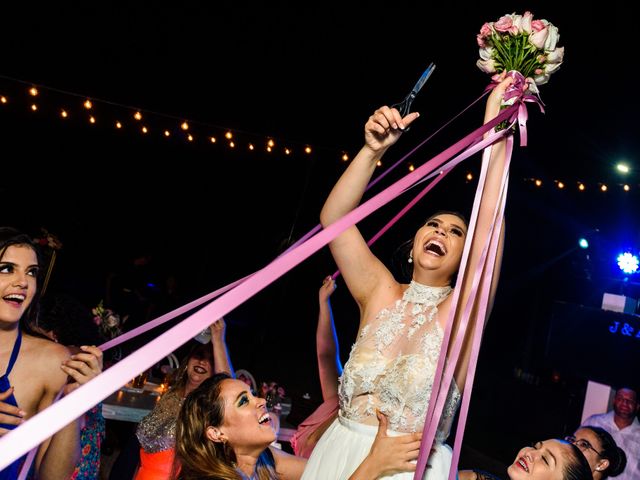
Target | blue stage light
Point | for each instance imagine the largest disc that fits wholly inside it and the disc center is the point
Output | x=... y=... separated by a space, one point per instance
x=628 y=262
x=583 y=242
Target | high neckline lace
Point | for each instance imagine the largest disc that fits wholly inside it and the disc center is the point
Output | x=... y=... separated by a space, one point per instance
x=425 y=294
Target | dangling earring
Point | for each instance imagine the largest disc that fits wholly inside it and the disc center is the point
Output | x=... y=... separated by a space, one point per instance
x=410 y=259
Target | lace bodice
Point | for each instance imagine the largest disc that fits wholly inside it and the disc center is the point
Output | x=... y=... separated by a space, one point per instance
x=393 y=362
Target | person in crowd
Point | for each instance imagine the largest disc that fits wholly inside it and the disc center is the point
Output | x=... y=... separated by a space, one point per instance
x=622 y=423
x=34 y=369
x=551 y=459
x=329 y=368
x=606 y=459
x=393 y=362
x=156 y=432
x=66 y=321
x=225 y=432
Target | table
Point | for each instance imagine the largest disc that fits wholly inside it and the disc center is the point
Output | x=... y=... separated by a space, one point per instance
x=131 y=404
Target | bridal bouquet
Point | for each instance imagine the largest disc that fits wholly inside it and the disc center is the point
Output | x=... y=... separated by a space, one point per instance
x=520 y=43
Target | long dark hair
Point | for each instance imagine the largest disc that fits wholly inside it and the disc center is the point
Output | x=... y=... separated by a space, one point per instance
x=609 y=451
x=199 y=458
x=12 y=237
x=577 y=467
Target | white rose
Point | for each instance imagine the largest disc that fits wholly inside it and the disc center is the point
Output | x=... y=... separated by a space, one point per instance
x=526 y=22
x=487 y=66
x=556 y=56
x=549 y=68
x=487 y=53
x=552 y=38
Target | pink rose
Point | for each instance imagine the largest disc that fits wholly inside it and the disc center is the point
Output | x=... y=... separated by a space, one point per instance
x=486 y=30
x=537 y=25
x=504 y=24
x=539 y=38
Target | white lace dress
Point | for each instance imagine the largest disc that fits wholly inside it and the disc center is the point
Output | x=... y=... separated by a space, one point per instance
x=391 y=368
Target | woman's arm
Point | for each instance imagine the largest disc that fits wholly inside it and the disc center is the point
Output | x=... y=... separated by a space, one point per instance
x=58 y=455
x=327 y=350
x=488 y=204
x=361 y=270
x=221 y=358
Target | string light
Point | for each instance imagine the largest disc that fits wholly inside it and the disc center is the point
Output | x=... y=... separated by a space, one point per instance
x=189 y=125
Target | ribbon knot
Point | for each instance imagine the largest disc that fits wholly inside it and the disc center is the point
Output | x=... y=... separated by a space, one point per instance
x=522 y=90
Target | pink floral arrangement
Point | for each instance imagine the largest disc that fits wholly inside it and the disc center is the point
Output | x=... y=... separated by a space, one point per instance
x=520 y=43
x=108 y=321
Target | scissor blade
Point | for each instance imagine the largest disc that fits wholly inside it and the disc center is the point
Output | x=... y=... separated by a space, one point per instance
x=423 y=78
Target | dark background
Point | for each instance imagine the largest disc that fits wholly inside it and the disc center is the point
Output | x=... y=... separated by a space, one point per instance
x=309 y=74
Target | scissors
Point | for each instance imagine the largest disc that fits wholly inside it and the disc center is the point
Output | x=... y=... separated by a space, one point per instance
x=405 y=106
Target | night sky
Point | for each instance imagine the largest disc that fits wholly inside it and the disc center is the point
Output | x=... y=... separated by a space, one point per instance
x=310 y=75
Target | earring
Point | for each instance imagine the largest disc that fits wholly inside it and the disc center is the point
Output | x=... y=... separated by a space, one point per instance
x=410 y=259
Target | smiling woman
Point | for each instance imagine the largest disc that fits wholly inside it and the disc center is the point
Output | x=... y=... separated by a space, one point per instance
x=34 y=370
x=156 y=431
x=550 y=460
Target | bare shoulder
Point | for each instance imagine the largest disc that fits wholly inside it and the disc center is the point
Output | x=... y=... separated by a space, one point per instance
x=44 y=358
x=35 y=346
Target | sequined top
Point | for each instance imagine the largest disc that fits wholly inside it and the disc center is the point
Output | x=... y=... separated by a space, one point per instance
x=156 y=432
x=393 y=362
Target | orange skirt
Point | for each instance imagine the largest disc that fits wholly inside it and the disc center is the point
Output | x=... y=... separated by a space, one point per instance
x=155 y=466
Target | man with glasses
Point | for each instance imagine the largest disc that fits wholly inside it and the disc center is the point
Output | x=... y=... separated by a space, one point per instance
x=623 y=425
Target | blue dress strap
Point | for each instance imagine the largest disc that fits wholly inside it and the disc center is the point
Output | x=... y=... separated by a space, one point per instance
x=11 y=472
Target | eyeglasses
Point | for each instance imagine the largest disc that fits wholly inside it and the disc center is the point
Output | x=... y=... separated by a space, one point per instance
x=581 y=444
